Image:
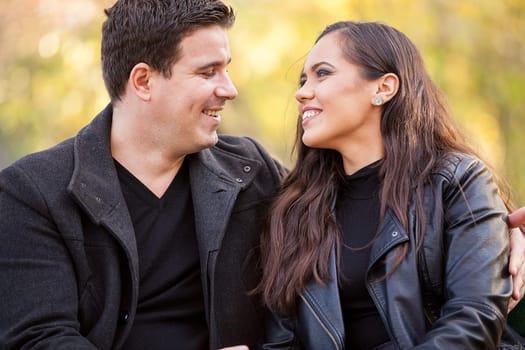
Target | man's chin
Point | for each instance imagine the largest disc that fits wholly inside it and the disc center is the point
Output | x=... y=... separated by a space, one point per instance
x=216 y=139
x=209 y=142
x=213 y=140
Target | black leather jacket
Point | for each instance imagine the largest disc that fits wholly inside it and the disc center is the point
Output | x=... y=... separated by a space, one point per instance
x=465 y=252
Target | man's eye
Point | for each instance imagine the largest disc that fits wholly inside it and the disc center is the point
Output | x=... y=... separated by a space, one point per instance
x=209 y=73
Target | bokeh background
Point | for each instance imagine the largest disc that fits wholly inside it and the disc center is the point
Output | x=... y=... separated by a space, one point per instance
x=51 y=85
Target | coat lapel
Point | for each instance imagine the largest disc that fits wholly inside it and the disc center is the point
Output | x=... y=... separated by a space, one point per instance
x=96 y=188
x=216 y=178
x=390 y=234
x=213 y=199
x=214 y=190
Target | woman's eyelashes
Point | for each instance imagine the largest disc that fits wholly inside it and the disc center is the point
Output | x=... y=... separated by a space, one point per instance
x=319 y=74
x=302 y=81
x=322 y=72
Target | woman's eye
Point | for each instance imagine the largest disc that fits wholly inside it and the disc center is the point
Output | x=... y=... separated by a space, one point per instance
x=320 y=73
x=323 y=72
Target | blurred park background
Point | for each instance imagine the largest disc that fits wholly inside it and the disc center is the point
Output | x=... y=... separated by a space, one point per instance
x=51 y=85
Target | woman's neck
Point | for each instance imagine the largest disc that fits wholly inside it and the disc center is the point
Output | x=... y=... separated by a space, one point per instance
x=359 y=157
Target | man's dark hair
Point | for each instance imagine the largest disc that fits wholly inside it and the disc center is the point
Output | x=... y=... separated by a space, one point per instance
x=150 y=31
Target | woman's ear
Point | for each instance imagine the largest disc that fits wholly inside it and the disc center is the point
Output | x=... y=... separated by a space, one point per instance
x=140 y=79
x=387 y=88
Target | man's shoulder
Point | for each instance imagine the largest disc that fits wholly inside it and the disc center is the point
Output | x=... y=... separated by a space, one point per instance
x=46 y=166
x=45 y=160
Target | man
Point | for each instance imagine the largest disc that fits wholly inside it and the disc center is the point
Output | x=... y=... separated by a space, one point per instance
x=140 y=232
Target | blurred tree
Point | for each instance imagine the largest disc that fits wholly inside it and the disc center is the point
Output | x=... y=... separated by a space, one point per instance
x=51 y=85
x=50 y=81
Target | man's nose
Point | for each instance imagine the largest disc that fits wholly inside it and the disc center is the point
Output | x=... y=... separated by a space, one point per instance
x=227 y=89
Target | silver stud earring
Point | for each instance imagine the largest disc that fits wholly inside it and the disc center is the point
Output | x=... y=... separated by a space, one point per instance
x=377 y=100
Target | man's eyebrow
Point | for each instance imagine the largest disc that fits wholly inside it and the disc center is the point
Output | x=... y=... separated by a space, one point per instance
x=214 y=64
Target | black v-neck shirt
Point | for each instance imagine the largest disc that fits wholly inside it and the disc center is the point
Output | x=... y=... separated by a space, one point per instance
x=170 y=312
x=357 y=211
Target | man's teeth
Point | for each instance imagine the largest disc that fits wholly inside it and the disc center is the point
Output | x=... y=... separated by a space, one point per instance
x=309 y=114
x=211 y=113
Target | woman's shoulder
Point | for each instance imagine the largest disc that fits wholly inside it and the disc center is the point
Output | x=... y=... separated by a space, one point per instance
x=455 y=165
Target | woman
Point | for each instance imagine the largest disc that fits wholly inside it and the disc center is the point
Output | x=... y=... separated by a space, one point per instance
x=389 y=231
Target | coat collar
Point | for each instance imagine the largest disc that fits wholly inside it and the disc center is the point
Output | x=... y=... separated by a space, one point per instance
x=391 y=233
x=217 y=177
x=96 y=187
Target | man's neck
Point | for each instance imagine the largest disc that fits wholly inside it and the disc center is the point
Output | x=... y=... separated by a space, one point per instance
x=155 y=166
x=154 y=174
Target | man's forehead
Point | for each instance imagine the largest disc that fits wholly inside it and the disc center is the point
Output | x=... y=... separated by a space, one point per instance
x=206 y=41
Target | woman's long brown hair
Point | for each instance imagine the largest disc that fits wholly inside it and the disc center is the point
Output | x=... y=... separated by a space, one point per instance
x=417 y=131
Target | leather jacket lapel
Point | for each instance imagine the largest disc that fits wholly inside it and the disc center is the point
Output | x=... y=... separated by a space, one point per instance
x=390 y=234
x=324 y=302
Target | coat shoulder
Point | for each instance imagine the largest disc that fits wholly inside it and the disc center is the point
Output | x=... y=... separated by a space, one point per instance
x=454 y=165
x=46 y=171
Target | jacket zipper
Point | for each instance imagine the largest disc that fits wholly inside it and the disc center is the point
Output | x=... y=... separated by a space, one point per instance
x=321 y=322
x=380 y=312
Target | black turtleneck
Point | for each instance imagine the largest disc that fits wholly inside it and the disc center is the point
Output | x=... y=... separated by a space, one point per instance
x=357 y=210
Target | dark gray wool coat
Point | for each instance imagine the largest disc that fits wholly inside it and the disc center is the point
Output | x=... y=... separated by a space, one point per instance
x=68 y=256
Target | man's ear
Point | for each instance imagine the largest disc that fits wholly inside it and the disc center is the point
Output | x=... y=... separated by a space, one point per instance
x=388 y=85
x=140 y=79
